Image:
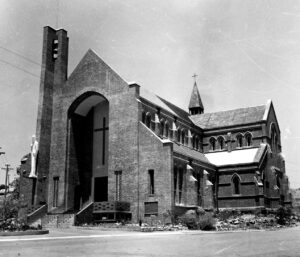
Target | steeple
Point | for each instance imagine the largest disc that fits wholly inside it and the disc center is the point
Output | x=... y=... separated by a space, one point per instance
x=195 y=106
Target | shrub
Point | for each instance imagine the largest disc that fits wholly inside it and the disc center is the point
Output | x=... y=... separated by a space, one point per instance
x=283 y=215
x=9 y=208
x=189 y=221
x=206 y=222
x=225 y=214
x=200 y=211
x=172 y=215
x=203 y=222
x=15 y=225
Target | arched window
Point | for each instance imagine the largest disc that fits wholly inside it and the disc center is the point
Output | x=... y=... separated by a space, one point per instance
x=236 y=184
x=212 y=142
x=274 y=138
x=278 y=180
x=148 y=120
x=143 y=117
x=275 y=143
x=162 y=127
x=166 y=130
x=196 y=143
x=178 y=135
x=239 y=139
x=173 y=131
x=183 y=137
x=193 y=141
x=221 y=143
x=248 y=139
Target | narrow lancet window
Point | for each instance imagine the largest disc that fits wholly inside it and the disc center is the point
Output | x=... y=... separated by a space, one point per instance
x=151 y=182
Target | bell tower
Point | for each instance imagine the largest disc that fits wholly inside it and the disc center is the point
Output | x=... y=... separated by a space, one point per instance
x=53 y=75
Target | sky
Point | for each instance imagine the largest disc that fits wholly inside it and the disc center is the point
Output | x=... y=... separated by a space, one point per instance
x=244 y=53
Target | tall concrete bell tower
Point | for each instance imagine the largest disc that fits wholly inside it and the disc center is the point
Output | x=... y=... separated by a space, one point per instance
x=54 y=73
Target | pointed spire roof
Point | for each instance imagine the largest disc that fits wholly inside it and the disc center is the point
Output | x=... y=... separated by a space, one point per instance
x=195 y=101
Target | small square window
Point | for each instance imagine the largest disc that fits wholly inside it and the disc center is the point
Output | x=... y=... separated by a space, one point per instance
x=151 y=208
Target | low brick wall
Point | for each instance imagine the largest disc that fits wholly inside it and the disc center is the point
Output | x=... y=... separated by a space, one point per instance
x=58 y=220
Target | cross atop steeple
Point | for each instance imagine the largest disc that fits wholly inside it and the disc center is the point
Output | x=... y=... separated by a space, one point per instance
x=195 y=76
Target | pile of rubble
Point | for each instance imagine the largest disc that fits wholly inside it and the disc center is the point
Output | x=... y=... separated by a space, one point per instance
x=144 y=227
x=251 y=221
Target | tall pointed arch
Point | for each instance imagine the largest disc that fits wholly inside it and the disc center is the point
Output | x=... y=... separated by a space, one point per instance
x=236 y=184
x=248 y=139
x=212 y=144
x=221 y=143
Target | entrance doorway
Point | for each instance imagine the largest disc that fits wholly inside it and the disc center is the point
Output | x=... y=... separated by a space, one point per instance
x=100 y=189
x=88 y=130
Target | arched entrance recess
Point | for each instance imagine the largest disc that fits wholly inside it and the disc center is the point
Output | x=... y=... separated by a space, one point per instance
x=87 y=170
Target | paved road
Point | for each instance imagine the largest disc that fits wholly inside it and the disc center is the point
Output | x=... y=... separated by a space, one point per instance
x=74 y=242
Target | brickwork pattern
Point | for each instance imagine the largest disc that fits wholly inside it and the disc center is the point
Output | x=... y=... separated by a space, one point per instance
x=134 y=149
x=154 y=155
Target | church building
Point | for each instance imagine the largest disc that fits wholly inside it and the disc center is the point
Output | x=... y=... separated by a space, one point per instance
x=111 y=150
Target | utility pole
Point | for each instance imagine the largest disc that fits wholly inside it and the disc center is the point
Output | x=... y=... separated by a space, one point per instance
x=5 y=179
x=7 y=169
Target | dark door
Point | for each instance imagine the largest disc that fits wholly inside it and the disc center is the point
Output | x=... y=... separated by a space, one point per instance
x=100 y=189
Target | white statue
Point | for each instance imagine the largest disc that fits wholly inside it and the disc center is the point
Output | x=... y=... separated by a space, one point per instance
x=34 y=153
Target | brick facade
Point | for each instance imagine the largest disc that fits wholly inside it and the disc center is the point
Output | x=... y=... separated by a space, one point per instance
x=156 y=152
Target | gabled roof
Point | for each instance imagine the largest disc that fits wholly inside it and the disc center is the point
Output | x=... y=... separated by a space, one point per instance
x=95 y=65
x=230 y=118
x=164 y=104
x=195 y=101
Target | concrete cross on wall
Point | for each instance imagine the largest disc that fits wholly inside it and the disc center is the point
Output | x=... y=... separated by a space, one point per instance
x=103 y=129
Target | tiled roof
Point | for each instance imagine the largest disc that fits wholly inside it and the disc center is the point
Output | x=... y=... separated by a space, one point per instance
x=229 y=118
x=164 y=104
x=190 y=153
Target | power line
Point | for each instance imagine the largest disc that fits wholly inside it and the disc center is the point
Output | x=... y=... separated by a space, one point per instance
x=19 y=68
x=22 y=56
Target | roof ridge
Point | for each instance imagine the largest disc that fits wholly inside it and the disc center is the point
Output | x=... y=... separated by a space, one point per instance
x=164 y=100
x=234 y=109
x=172 y=104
